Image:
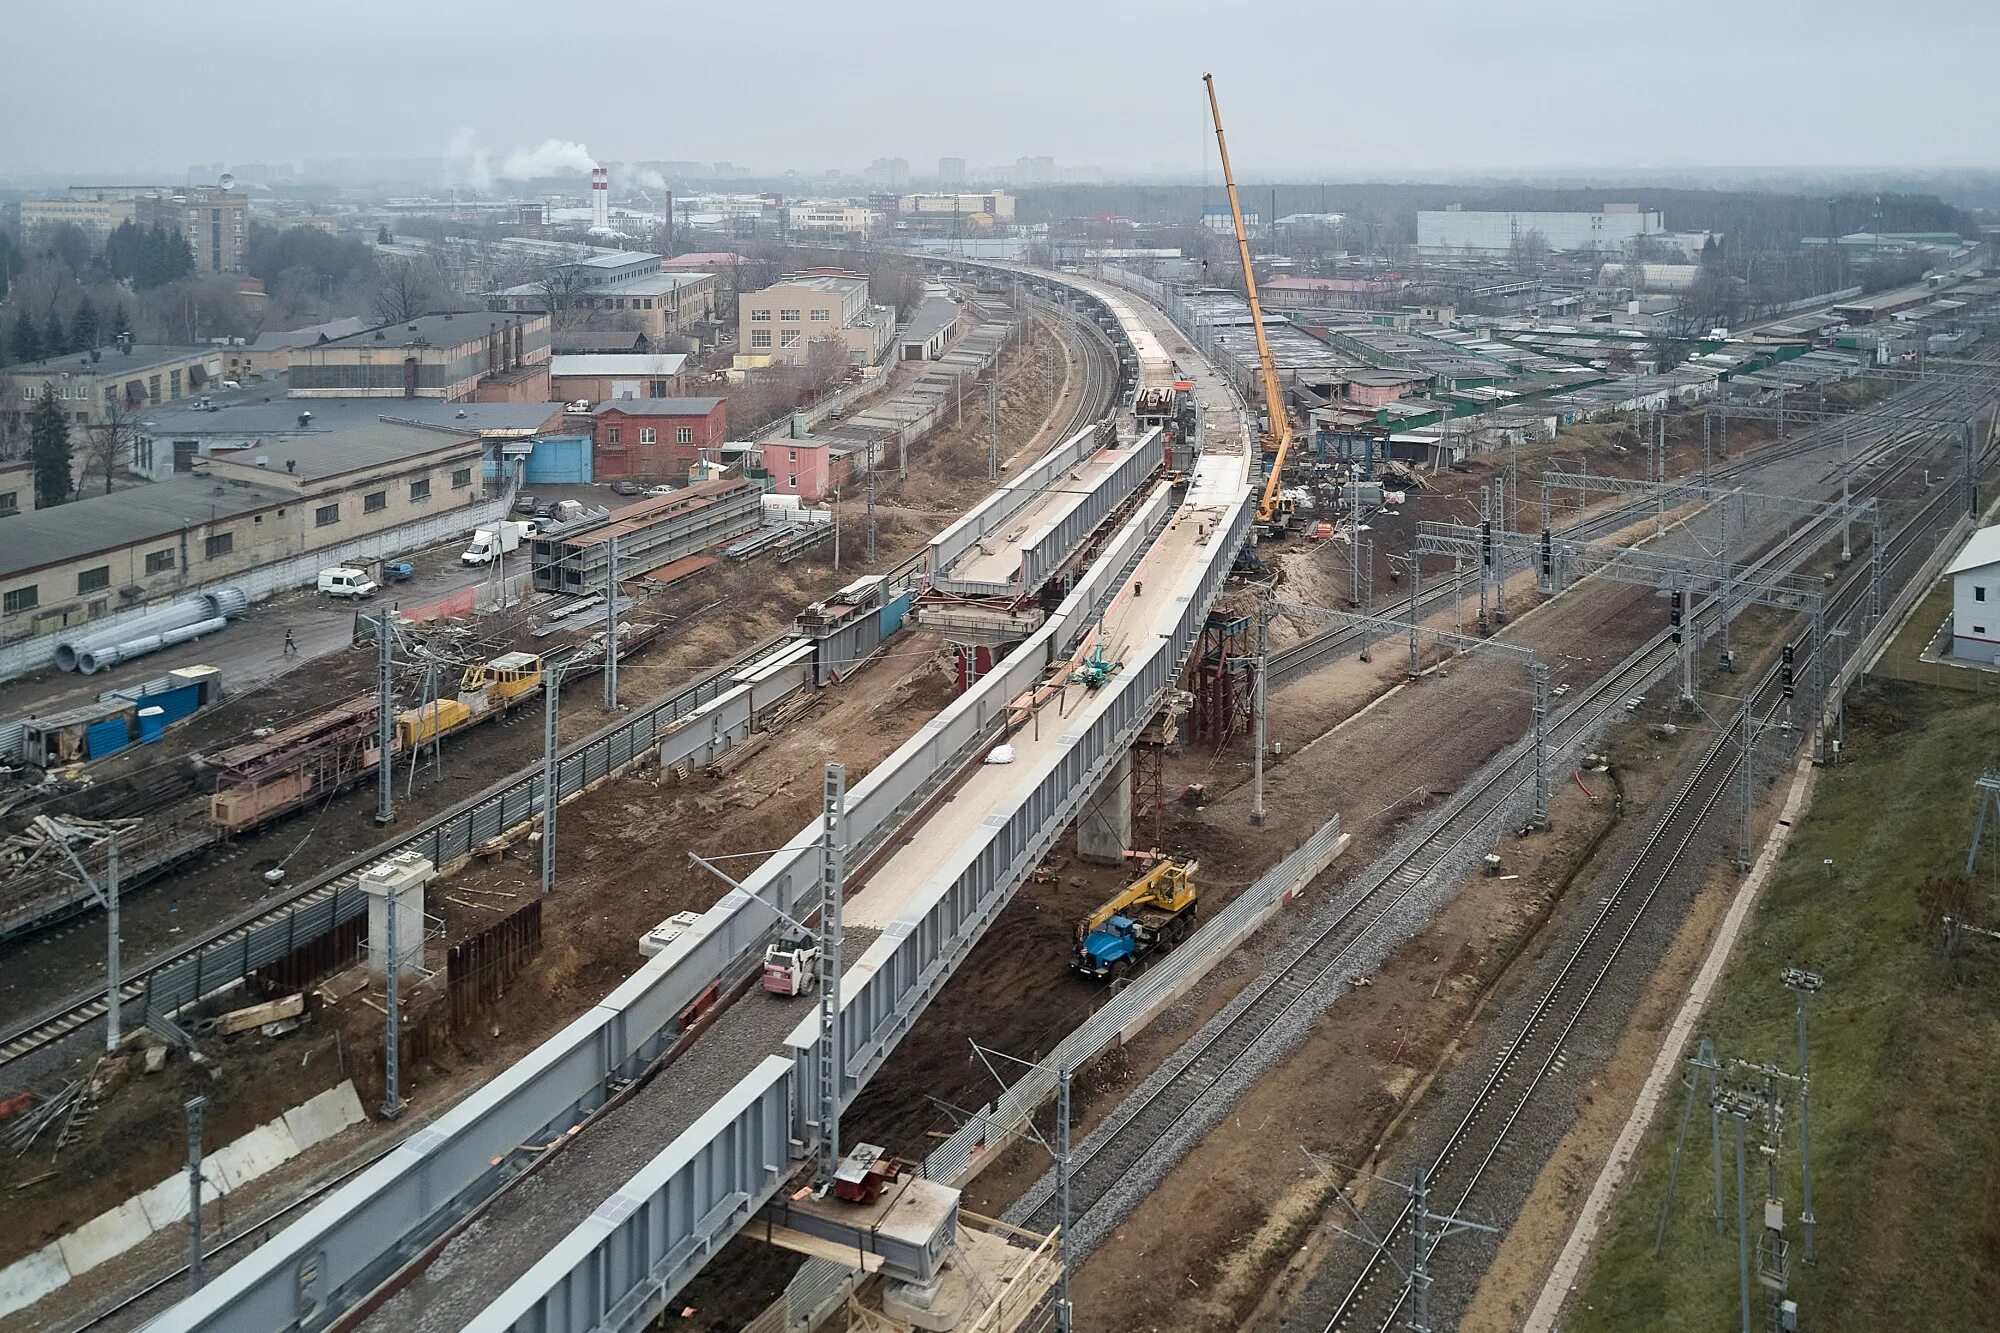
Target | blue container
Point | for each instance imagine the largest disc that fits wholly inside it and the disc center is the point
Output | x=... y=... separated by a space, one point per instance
x=107 y=737
x=152 y=724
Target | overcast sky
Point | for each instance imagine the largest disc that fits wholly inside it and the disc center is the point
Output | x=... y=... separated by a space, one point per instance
x=1330 y=90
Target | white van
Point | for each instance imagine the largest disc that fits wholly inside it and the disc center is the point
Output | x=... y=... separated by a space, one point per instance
x=345 y=582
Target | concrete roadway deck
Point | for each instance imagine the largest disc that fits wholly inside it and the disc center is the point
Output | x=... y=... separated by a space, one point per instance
x=518 y=1227
x=996 y=558
x=930 y=858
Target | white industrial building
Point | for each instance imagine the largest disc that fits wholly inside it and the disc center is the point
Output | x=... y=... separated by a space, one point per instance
x=1611 y=230
x=1975 y=598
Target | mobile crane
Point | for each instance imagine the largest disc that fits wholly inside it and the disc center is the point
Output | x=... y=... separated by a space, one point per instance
x=1272 y=509
x=1153 y=912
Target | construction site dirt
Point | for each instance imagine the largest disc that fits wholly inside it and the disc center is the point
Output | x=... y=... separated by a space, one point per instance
x=710 y=620
x=622 y=862
x=623 y=865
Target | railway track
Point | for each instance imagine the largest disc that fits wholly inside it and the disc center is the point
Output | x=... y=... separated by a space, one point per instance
x=1097 y=390
x=1536 y=1049
x=1879 y=437
x=1095 y=397
x=1137 y=1128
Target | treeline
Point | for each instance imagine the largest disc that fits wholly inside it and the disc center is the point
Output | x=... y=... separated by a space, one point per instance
x=1751 y=219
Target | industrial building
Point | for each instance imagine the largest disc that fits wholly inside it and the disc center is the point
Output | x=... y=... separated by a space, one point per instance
x=655 y=439
x=650 y=535
x=930 y=328
x=592 y=377
x=780 y=322
x=996 y=206
x=171 y=441
x=1611 y=230
x=271 y=353
x=237 y=511
x=89 y=385
x=453 y=357
x=1975 y=598
x=630 y=286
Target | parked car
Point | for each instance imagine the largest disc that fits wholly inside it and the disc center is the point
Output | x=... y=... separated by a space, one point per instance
x=660 y=490
x=543 y=509
x=346 y=582
x=399 y=571
x=623 y=487
x=524 y=503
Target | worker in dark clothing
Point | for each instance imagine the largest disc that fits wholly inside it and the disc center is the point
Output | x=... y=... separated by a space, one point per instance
x=291 y=648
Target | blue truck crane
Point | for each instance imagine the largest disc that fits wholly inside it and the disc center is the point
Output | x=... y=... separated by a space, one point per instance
x=1155 y=912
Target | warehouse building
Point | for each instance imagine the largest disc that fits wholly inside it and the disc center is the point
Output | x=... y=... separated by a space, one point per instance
x=592 y=377
x=1613 y=229
x=171 y=441
x=453 y=357
x=90 y=385
x=237 y=511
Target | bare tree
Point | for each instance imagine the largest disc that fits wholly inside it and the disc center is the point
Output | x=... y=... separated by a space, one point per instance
x=107 y=446
x=404 y=289
x=562 y=285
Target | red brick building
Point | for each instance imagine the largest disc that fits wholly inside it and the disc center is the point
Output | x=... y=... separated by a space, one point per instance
x=655 y=439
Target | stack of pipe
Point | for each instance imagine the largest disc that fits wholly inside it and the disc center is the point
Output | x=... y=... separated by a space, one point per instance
x=204 y=613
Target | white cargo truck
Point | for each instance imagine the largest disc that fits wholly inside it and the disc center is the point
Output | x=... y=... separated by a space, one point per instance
x=503 y=538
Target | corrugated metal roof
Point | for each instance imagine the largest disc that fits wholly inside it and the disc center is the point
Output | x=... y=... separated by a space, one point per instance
x=1980 y=550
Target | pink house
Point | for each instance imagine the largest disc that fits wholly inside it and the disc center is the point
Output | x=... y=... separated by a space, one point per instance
x=806 y=468
x=1378 y=388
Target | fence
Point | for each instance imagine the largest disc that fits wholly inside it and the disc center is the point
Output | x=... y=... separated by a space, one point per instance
x=34 y=654
x=478 y=969
x=999 y=1122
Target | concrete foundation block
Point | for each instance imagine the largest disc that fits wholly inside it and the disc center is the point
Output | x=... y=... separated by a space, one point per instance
x=324 y=1116
x=26 y=1281
x=263 y=1149
x=104 y=1237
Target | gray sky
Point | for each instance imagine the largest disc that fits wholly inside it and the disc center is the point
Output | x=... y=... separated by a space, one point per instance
x=1332 y=89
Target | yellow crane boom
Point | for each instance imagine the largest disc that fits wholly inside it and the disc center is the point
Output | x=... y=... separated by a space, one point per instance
x=1278 y=440
x=1168 y=886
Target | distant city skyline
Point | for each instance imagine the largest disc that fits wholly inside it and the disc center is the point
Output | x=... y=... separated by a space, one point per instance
x=1410 y=91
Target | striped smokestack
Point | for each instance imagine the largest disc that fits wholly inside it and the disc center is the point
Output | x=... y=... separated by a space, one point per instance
x=600 y=200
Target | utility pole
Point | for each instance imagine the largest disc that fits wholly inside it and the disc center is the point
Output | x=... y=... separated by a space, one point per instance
x=1802 y=983
x=551 y=770
x=1416 y=614
x=1538 y=671
x=1739 y=1107
x=1368 y=602
x=106 y=894
x=871 y=514
x=1702 y=1062
x=611 y=624
x=1501 y=516
x=1485 y=554
x=1747 y=785
x=1064 y=1311
x=993 y=427
x=833 y=880
x=194 y=1106
x=385 y=721
x=1263 y=741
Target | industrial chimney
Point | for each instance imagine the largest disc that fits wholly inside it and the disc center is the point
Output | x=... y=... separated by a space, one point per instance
x=600 y=200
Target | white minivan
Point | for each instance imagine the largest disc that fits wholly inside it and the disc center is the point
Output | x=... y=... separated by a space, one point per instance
x=345 y=582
